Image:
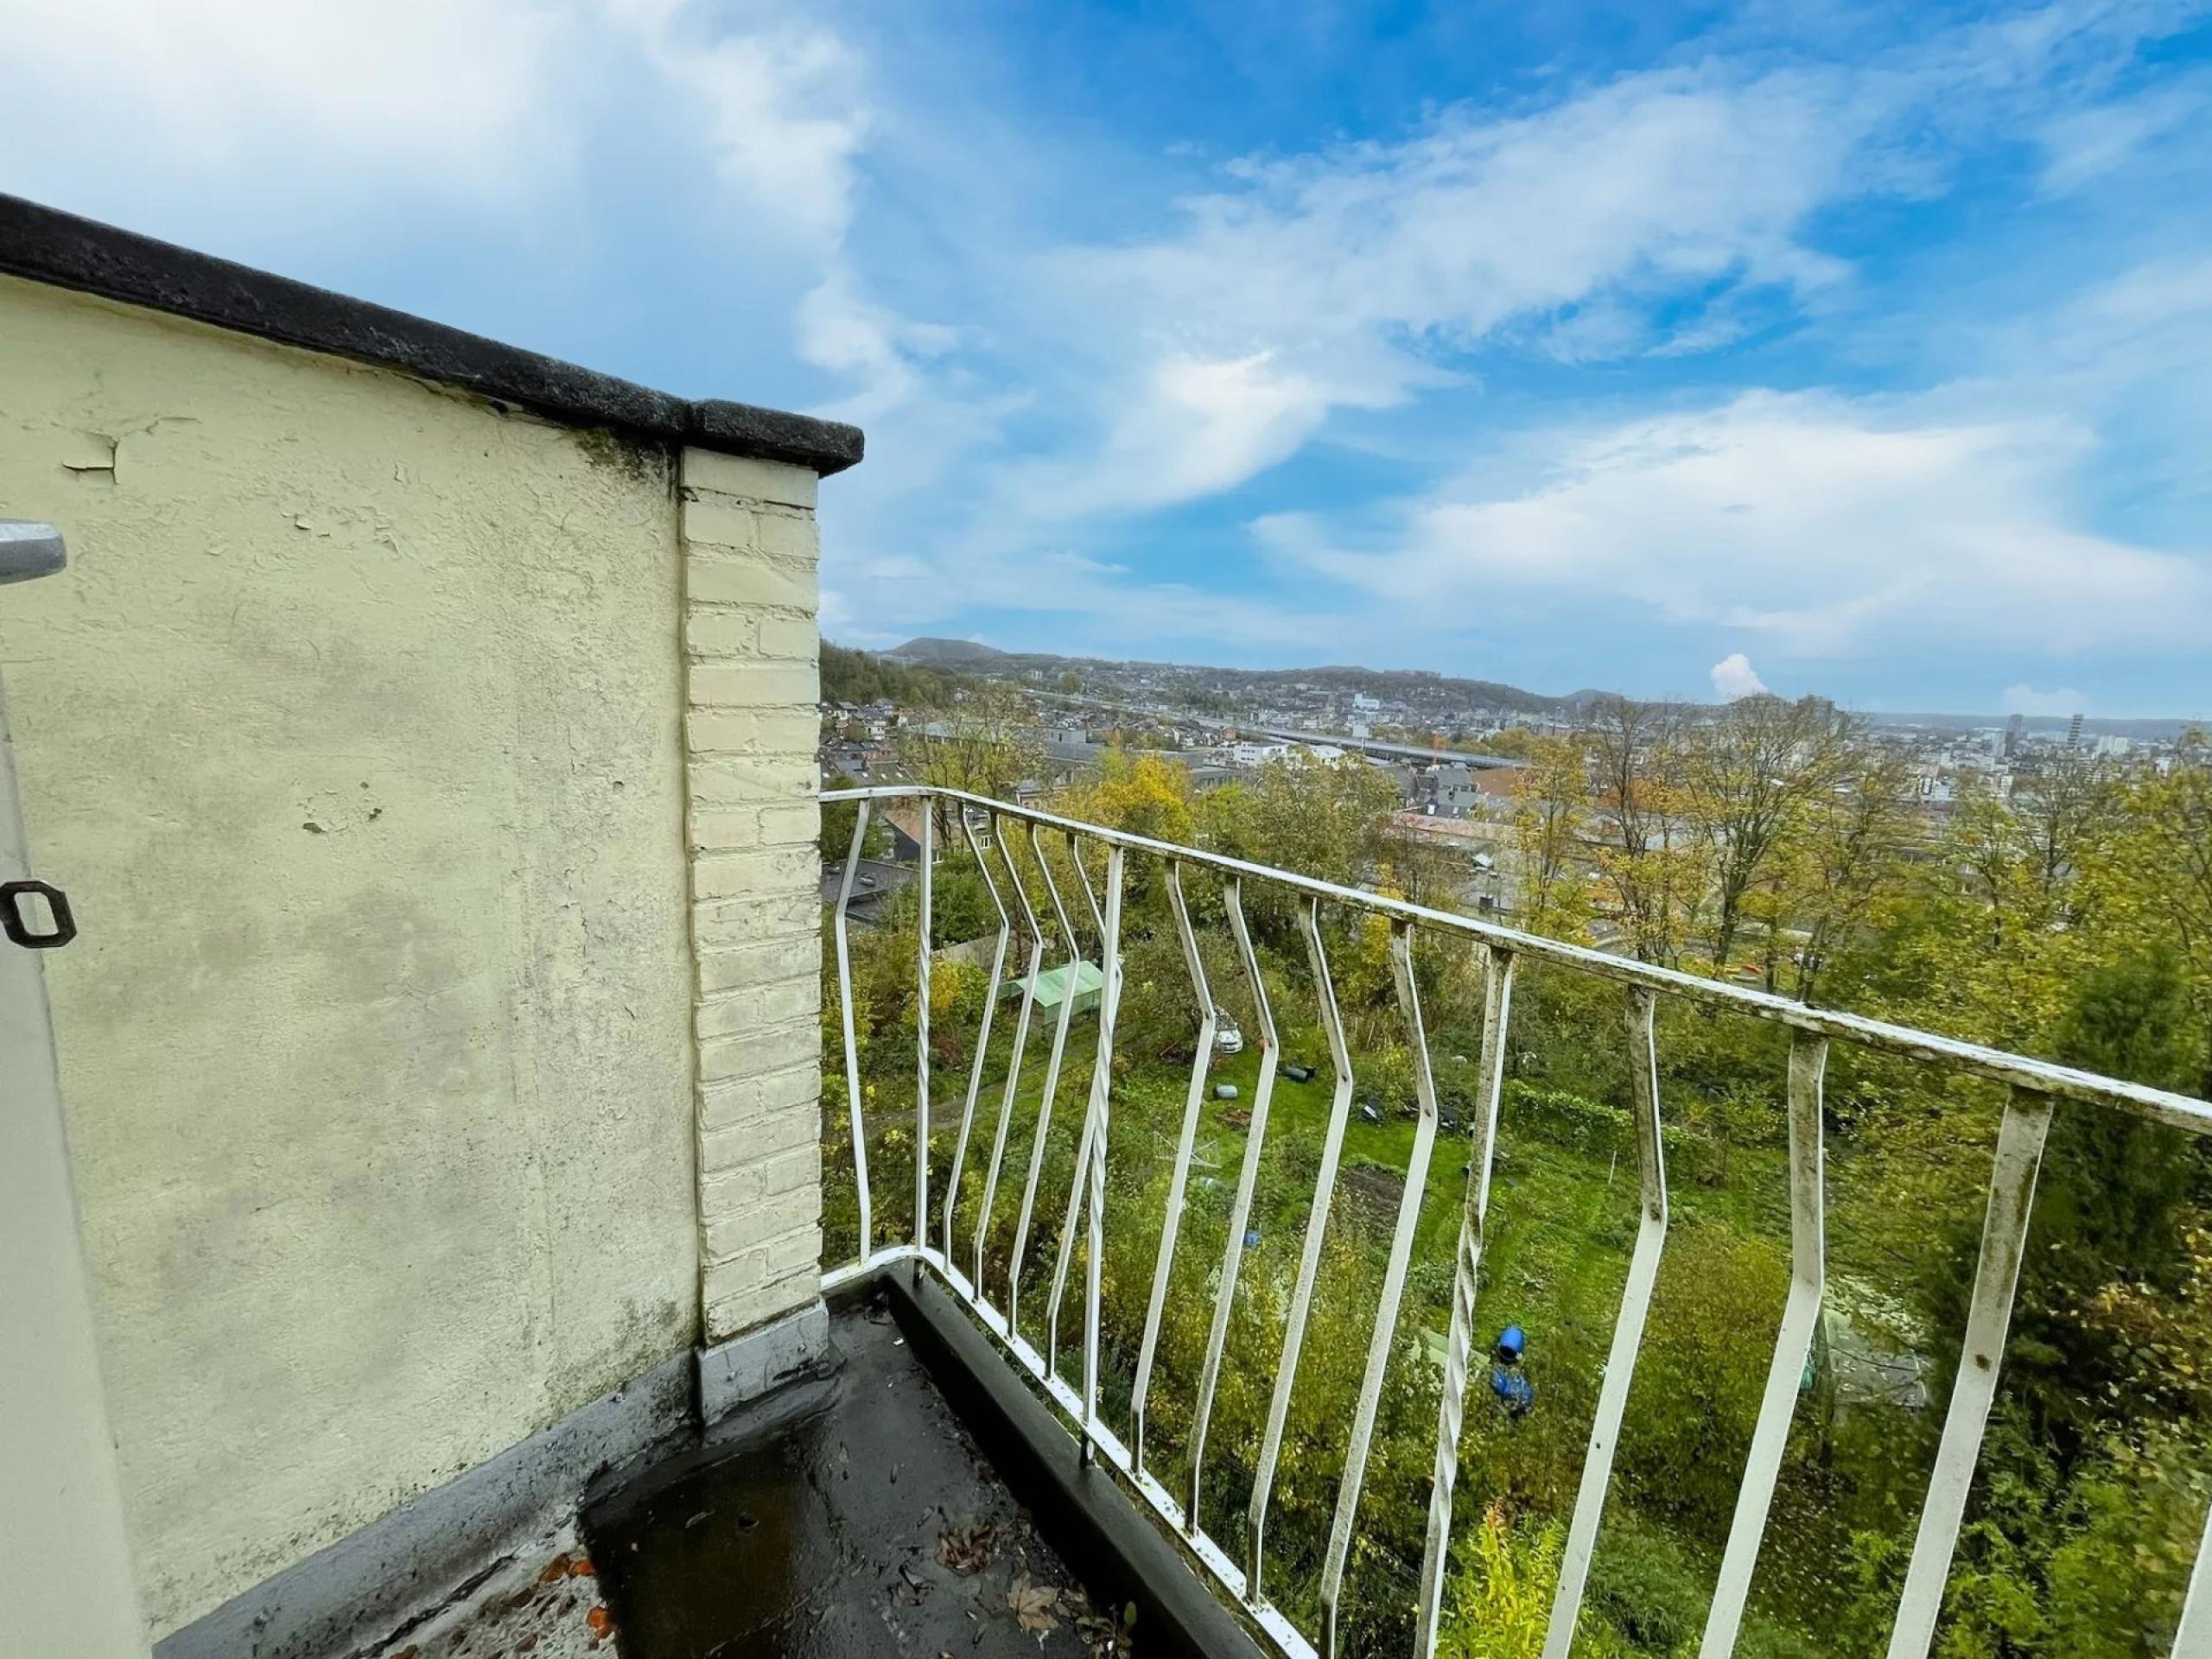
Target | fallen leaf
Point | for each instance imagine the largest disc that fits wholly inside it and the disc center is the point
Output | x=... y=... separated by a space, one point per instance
x=1033 y=1604
x=911 y=1590
x=966 y=1549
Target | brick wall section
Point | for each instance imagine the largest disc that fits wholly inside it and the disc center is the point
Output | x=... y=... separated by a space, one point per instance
x=751 y=670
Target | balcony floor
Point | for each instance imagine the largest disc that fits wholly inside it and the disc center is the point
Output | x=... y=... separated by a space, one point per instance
x=854 y=1516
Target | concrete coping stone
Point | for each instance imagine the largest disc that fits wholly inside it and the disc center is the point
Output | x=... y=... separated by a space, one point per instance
x=44 y=244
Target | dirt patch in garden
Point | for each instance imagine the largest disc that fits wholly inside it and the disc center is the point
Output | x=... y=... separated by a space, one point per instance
x=1376 y=1193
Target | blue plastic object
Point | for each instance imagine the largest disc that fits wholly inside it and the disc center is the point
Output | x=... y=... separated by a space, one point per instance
x=1514 y=1392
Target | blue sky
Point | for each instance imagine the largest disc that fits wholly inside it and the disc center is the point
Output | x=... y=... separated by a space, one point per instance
x=1857 y=349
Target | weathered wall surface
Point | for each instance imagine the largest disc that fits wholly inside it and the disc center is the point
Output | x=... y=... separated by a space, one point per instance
x=749 y=630
x=354 y=731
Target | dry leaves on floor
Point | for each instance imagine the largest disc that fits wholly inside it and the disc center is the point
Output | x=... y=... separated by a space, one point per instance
x=1037 y=1607
x=911 y=1589
x=966 y=1549
x=1034 y=1605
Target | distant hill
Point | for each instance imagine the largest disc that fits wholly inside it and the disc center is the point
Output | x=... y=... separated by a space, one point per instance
x=948 y=653
x=849 y=675
x=1198 y=687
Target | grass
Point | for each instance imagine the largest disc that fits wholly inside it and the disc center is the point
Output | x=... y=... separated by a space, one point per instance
x=1561 y=1219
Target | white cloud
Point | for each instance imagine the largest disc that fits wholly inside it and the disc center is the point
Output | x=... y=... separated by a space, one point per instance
x=1361 y=274
x=230 y=107
x=253 y=106
x=1832 y=526
x=2026 y=700
x=447 y=94
x=781 y=104
x=1358 y=276
x=1195 y=425
x=2087 y=145
x=840 y=329
x=1733 y=678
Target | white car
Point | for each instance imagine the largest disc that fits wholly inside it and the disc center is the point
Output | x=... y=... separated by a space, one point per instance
x=1227 y=1038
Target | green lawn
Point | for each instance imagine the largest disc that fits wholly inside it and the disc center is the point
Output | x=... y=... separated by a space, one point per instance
x=1561 y=1219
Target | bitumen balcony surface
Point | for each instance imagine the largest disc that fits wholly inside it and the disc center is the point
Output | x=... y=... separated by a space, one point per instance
x=849 y=1516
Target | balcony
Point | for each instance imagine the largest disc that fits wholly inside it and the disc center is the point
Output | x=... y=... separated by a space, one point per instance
x=1091 y=1225
x=443 y=1120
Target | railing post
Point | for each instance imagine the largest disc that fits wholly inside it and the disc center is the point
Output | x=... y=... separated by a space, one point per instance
x=2193 y=1640
x=845 y=1014
x=1020 y=1052
x=1074 y=970
x=1989 y=1317
x=1102 y=1079
x=1808 y=1055
x=1394 y=1285
x=1111 y=968
x=1083 y=880
x=1171 y=1222
x=922 y=1032
x=1497 y=1010
x=1628 y=1330
x=983 y=1034
x=1248 y=1177
x=1309 y=1260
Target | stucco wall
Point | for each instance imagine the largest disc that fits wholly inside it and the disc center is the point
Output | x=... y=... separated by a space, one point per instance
x=353 y=731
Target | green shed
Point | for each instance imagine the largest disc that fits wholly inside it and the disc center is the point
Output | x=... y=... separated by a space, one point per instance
x=1053 y=986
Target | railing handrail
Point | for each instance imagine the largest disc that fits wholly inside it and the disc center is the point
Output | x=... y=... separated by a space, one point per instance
x=1998 y=1065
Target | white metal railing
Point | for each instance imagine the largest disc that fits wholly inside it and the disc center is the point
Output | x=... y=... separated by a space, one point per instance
x=2036 y=1086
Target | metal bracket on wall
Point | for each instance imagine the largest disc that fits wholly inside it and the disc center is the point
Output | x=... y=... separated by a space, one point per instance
x=30 y=549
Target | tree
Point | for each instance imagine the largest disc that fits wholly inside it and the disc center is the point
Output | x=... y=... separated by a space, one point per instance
x=1322 y=818
x=1141 y=795
x=2066 y=807
x=2112 y=1189
x=1514 y=742
x=1551 y=800
x=1975 y=944
x=1501 y=1593
x=2168 y=1330
x=1653 y=876
x=1751 y=775
x=849 y=675
x=1850 y=855
x=1424 y=872
x=2164 y=854
x=983 y=740
x=836 y=837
